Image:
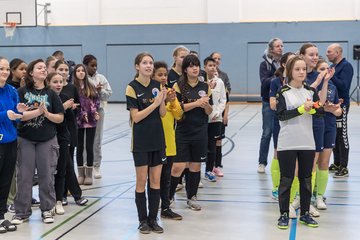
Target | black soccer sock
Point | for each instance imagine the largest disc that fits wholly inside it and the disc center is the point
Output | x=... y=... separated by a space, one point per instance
x=154 y=200
x=210 y=162
x=218 y=160
x=173 y=184
x=193 y=184
x=140 y=200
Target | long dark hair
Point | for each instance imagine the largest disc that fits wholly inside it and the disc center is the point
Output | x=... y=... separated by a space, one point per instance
x=189 y=60
x=14 y=64
x=280 y=71
x=88 y=90
x=29 y=81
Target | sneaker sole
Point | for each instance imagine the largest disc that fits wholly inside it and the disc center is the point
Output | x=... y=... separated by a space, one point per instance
x=342 y=176
x=310 y=225
x=157 y=231
x=145 y=232
x=194 y=209
x=173 y=218
x=210 y=180
x=283 y=227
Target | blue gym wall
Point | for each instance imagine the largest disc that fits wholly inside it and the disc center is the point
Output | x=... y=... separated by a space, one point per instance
x=241 y=44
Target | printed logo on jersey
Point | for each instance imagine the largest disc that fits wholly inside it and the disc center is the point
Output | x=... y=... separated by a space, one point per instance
x=203 y=158
x=139 y=95
x=202 y=93
x=1 y=136
x=173 y=81
x=155 y=92
x=34 y=101
x=163 y=159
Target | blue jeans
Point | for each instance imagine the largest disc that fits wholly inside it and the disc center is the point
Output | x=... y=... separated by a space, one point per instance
x=267 y=126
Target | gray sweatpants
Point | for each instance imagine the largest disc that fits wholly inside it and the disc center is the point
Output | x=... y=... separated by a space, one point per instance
x=43 y=156
x=98 y=138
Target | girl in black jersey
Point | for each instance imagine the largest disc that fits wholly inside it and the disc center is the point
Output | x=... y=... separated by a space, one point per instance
x=191 y=131
x=146 y=103
x=180 y=52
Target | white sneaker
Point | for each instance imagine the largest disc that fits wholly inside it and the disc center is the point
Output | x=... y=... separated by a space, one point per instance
x=313 y=211
x=193 y=204
x=59 y=209
x=179 y=187
x=201 y=185
x=97 y=174
x=261 y=168
x=296 y=203
x=320 y=204
x=292 y=212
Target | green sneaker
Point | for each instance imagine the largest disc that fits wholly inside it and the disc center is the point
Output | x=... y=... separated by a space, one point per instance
x=308 y=220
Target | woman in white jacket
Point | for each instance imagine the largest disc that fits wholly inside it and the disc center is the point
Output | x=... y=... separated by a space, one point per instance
x=218 y=93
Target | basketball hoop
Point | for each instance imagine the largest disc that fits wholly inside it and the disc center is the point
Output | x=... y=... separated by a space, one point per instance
x=9 y=28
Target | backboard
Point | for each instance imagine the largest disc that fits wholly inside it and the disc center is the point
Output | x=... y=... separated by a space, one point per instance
x=22 y=12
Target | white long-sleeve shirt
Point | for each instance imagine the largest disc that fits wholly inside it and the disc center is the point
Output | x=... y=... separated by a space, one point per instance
x=105 y=92
x=219 y=100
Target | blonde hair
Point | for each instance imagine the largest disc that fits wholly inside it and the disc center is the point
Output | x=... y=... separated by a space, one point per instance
x=177 y=50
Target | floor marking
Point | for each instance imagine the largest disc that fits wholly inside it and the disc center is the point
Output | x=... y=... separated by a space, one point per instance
x=76 y=214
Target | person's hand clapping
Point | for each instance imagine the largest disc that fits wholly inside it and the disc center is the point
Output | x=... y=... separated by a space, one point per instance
x=13 y=116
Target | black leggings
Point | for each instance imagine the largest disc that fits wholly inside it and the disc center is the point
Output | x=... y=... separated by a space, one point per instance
x=90 y=137
x=8 y=153
x=287 y=162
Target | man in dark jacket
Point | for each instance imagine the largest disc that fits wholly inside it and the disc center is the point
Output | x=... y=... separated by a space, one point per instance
x=342 y=80
x=267 y=70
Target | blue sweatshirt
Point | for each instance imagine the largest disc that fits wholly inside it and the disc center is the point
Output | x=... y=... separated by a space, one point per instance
x=8 y=101
x=342 y=79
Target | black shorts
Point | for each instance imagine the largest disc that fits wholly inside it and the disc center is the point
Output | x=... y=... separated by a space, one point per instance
x=151 y=159
x=195 y=151
x=222 y=134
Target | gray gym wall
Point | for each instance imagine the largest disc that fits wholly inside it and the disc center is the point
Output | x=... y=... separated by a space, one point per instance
x=241 y=45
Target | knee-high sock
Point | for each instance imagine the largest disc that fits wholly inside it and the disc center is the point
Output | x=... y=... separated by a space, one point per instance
x=322 y=177
x=275 y=173
x=140 y=200
x=294 y=188
x=174 y=181
x=193 y=184
x=218 y=160
x=313 y=181
x=154 y=200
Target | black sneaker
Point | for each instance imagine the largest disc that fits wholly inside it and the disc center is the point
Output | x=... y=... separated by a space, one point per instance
x=168 y=213
x=283 y=221
x=155 y=226
x=144 y=227
x=342 y=172
x=334 y=168
x=308 y=220
x=35 y=202
x=64 y=202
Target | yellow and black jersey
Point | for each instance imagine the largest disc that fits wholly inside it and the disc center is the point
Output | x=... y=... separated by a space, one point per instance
x=194 y=123
x=148 y=134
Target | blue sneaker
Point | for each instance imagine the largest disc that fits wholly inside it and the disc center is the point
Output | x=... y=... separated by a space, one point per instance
x=308 y=220
x=275 y=194
x=283 y=221
x=210 y=176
